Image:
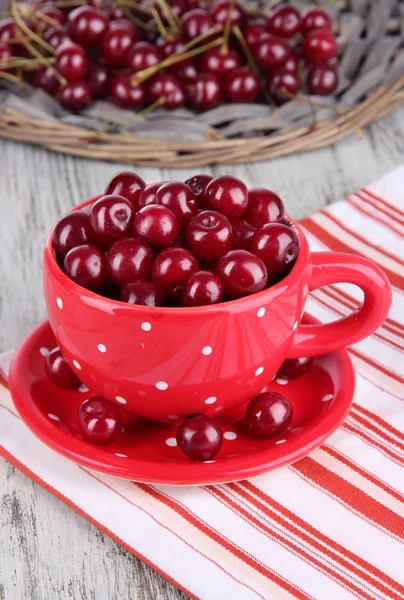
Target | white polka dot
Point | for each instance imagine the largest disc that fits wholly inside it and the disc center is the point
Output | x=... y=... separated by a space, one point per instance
x=146 y=326
x=83 y=388
x=121 y=455
x=259 y=371
x=172 y=417
x=44 y=351
x=171 y=442
x=261 y=312
x=282 y=380
x=77 y=365
x=121 y=400
x=327 y=398
x=161 y=385
x=102 y=348
x=230 y=435
x=208 y=462
x=53 y=417
x=59 y=302
x=207 y=350
x=210 y=400
x=280 y=442
x=295 y=326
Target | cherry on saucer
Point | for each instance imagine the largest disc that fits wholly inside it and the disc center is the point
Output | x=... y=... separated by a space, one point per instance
x=199 y=437
x=99 y=420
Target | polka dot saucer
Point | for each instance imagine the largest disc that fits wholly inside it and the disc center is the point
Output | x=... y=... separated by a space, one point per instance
x=147 y=452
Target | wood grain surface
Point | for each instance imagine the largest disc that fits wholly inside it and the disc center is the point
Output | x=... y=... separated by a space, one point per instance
x=47 y=551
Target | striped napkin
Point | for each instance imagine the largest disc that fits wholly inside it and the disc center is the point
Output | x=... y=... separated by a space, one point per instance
x=331 y=526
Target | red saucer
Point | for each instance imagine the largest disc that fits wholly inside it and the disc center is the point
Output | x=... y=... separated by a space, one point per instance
x=147 y=452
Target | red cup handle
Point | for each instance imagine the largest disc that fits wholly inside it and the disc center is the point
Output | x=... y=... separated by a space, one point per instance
x=335 y=267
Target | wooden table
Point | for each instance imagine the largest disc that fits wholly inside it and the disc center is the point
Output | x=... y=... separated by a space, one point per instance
x=47 y=551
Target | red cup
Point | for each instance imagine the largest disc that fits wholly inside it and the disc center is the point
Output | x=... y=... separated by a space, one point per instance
x=163 y=363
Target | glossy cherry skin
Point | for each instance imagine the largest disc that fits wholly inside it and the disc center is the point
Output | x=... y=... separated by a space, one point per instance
x=242 y=233
x=126 y=184
x=58 y=371
x=206 y=93
x=219 y=11
x=98 y=81
x=316 y=18
x=227 y=195
x=49 y=12
x=172 y=269
x=209 y=235
x=219 y=62
x=322 y=79
x=111 y=218
x=6 y=54
x=241 y=273
x=71 y=61
x=268 y=414
x=87 y=25
x=118 y=38
x=142 y=55
x=264 y=207
x=99 y=421
x=295 y=367
x=44 y=78
x=200 y=438
x=242 y=85
x=282 y=86
x=170 y=88
x=320 y=46
x=198 y=184
x=157 y=225
x=179 y=198
x=148 y=195
x=277 y=246
x=56 y=36
x=124 y=94
x=285 y=22
x=144 y=293
x=202 y=288
x=270 y=52
x=85 y=265
x=74 y=229
x=188 y=73
x=128 y=260
x=170 y=46
x=254 y=32
x=8 y=31
x=291 y=65
x=75 y=95
x=196 y=22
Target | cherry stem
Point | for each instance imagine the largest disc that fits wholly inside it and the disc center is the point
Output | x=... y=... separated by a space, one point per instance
x=134 y=6
x=250 y=59
x=227 y=26
x=161 y=27
x=17 y=63
x=141 y=113
x=65 y=3
x=255 y=13
x=33 y=36
x=169 y=14
x=9 y=77
x=47 y=19
x=136 y=21
x=201 y=37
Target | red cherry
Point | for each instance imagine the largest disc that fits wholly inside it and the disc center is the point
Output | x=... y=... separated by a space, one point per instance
x=172 y=269
x=85 y=266
x=115 y=13
x=128 y=260
x=284 y=22
x=322 y=80
x=58 y=371
x=6 y=54
x=264 y=207
x=219 y=11
x=170 y=88
x=295 y=367
x=53 y=17
x=227 y=195
x=157 y=225
x=198 y=184
x=44 y=78
x=282 y=86
x=111 y=218
x=277 y=246
x=125 y=94
x=141 y=292
x=71 y=61
x=241 y=273
x=56 y=36
x=219 y=61
x=196 y=22
x=242 y=85
x=99 y=421
x=242 y=233
x=254 y=32
x=178 y=7
x=9 y=32
x=98 y=80
x=270 y=52
x=142 y=55
x=202 y=288
x=87 y=25
x=209 y=235
x=291 y=65
x=75 y=95
x=199 y=437
x=74 y=229
x=316 y=18
x=170 y=46
x=188 y=73
x=268 y=414
x=118 y=38
x=148 y=195
x=126 y=184
x=206 y=93
x=179 y=198
x=320 y=46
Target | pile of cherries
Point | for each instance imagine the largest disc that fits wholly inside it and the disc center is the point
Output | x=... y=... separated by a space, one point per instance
x=170 y=52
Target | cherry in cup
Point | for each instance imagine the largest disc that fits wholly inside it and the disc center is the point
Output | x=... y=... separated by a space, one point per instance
x=172 y=269
x=85 y=265
x=209 y=235
x=241 y=273
x=277 y=246
x=111 y=218
x=227 y=195
x=128 y=260
x=157 y=225
x=202 y=288
x=126 y=184
x=74 y=229
x=179 y=198
x=141 y=292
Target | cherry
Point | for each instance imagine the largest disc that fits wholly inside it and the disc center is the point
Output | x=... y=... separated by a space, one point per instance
x=295 y=367
x=74 y=229
x=320 y=46
x=170 y=46
x=282 y=86
x=242 y=85
x=99 y=421
x=53 y=17
x=98 y=80
x=202 y=288
x=241 y=273
x=219 y=61
x=6 y=54
x=142 y=55
x=141 y=292
x=179 y=198
x=178 y=7
x=196 y=22
x=172 y=269
x=270 y=52
x=322 y=80
x=111 y=218
x=148 y=195
x=44 y=78
x=206 y=93
x=227 y=195
x=118 y=38
x=284 y=22
x=199 y=437
x=56 y=36
x=157 y=225
x=71 y=61
x=242 y=233
x=58 y=371
x=85 y=265
x=87 y=25
x=198 y=184
x=126 y=184
x=188 y=73
x=254 y=32
x=291 y=65
x=9 y=31
x=75 y=95
x=264 y=207
x=170 y=88
x=268 y=414
x=316 y=18
x=115 y=13
x=125 y=94
x=277 y=246
x=219 y=11
x=128 y=260
x=209 y=235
